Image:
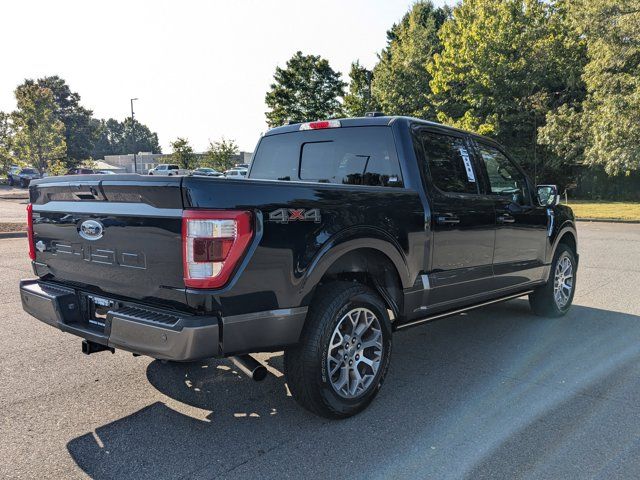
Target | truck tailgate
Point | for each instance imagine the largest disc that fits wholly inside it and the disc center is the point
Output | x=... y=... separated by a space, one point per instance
x=119 y=236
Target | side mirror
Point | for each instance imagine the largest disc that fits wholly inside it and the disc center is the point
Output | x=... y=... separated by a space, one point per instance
x=547 y=195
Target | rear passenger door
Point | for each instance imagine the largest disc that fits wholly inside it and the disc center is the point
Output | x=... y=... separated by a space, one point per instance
x=521 y=232
x=462 y=221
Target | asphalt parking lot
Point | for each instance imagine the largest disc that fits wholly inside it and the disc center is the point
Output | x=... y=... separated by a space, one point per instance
x=13 y=210
x=495 y=393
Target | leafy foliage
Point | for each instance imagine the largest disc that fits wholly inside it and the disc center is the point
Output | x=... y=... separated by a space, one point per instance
x=359 y=100
x=220 y=155
x=183 y=153
x=307 y=89
x=604 y=129
x=7 y=159
x=503 y=66
x=116 y=138
x=76 y=119
x=39 y=134
x=401 y=79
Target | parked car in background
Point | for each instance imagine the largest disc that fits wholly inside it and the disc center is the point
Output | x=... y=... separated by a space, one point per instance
x=242 y=165
x=236 y=172
x=81 y=171
x=11 y=174
x=207 y=172
x=169 y=169
x=25 y=175
x=105 y=172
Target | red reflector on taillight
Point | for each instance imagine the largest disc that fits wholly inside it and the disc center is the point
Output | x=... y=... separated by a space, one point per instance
x=213 y=242
x=32 y=247
x=211 y=249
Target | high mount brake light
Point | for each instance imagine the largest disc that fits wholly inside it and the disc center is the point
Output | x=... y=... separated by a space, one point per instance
x=32 y=247
x=213 y=242
x=319 y=125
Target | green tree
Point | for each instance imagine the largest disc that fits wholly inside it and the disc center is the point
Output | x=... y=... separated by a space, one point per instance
x=182 y=153
x=115 y=138
x=7 y=159
x=604 y=129
x=39 y=135
x=307 y=89
x=504 y=65
x=359 y=99
x=220 y=154
x=79 y=134
x=401 y=79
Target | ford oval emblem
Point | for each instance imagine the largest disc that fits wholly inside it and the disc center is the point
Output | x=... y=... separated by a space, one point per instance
x=91 y=230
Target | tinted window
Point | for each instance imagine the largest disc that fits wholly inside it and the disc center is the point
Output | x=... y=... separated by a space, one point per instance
x=28 y=170
x=448 y=163
x=504 y=177
x=352 y=156
x=173 y=167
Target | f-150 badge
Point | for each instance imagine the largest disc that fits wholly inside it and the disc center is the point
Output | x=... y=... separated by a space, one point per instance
x=286 y=215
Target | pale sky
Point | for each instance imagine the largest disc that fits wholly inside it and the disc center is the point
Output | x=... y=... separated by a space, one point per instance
x=199 y=68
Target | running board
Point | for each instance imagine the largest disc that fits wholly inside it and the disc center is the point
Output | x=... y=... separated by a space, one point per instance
x=461 y=310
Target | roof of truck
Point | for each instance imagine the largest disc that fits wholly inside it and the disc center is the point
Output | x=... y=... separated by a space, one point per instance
x=383 y=120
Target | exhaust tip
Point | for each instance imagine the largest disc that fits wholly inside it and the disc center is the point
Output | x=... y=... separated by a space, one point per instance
x=250 y=367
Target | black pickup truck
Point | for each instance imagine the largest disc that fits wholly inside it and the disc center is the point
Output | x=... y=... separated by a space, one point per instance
x=344 y=232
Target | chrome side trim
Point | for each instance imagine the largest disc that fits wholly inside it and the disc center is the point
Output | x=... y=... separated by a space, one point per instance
x=461 y=310
x=425 y=282
x=108 y=208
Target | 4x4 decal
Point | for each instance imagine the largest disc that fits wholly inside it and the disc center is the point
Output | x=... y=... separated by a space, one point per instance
x=286 y=215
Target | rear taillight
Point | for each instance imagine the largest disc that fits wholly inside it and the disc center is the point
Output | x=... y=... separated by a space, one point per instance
x=32 y=248
x=320 y=125
x=213 y=242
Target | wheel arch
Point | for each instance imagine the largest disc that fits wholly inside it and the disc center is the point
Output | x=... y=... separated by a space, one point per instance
x=375 y=263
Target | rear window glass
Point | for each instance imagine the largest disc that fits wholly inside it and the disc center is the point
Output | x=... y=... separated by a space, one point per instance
x=348 y=156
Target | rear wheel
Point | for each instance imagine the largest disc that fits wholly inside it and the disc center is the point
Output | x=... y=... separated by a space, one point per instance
x=555 y=298
x=11 y=181
x=340 y=363
x=24 y=183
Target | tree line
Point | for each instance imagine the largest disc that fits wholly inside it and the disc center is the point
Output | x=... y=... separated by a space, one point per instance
x=52 y=131
x=555 y=81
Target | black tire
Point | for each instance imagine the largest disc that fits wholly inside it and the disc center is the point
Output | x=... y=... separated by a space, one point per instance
x=11 y=181
x=305 y=365
x=23 y=183
x=542 y=300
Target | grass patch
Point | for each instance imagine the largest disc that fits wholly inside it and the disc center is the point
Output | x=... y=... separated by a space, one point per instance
x=604 y=209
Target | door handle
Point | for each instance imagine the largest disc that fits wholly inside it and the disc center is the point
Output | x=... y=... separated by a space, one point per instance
x=506 y=218
x=447 y=220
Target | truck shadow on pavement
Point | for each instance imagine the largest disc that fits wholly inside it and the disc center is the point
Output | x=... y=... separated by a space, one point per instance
x=493 y=393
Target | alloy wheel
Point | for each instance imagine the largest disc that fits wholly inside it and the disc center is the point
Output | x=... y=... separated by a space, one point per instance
x=355 y=353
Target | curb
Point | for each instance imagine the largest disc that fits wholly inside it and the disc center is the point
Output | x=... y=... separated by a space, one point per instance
x=606 y=220
x=14 y=197
x=12 y=235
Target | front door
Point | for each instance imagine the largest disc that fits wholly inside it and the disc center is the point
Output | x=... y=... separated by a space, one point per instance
x=521 y=232
x=459 y=269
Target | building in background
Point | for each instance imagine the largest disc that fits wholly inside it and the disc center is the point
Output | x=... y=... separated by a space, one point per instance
x=145 y=161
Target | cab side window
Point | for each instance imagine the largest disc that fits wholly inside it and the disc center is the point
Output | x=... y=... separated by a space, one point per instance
x=504 y=177
x=448 y=163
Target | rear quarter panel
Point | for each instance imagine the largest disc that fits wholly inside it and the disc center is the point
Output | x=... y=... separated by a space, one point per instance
x=288 y=259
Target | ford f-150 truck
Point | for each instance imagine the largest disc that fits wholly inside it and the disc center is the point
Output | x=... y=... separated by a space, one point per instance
x=344 y=232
